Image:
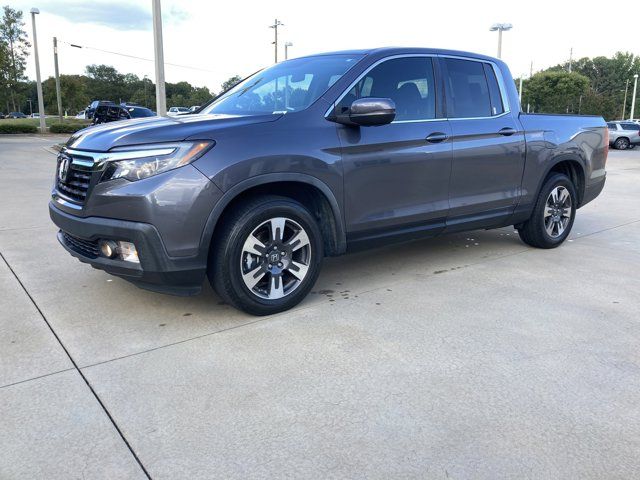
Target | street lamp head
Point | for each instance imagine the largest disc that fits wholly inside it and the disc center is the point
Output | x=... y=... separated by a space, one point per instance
x=35 y=11
x=635 y=76
x=288 y=44
x=501 y=26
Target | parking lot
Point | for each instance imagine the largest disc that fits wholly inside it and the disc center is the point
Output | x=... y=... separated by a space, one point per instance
x=466 y=356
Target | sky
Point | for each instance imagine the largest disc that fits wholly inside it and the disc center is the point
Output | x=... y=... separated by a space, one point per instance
x=220 y=39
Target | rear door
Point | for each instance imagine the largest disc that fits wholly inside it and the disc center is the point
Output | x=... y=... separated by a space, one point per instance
x=488 y=144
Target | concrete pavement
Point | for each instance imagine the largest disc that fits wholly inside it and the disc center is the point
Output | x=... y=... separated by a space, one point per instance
x=467 y=356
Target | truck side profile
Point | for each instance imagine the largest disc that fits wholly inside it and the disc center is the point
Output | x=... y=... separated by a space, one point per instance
x=319 y=156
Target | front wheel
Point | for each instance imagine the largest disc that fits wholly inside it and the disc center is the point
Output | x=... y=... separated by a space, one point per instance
x=268 y=255
x=553 y=214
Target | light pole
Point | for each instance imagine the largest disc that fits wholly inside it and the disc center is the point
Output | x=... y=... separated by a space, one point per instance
x=624 y=104
x=633 y=99
x=161 y=99
x=43 y=125
x=500 y=27
x=55 y=65
x=277 y=23
x=30 y=106
x=286 y=49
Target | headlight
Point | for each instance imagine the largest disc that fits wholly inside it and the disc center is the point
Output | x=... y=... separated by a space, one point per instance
x=138 y=162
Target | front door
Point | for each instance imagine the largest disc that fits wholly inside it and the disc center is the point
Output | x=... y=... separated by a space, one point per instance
x=396 y=176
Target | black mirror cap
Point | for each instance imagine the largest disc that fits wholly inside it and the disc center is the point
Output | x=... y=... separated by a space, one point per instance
x=368 y=112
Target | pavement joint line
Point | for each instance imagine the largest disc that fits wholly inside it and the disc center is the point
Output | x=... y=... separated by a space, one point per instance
x=35 y=227
x=75 y=365
x=605 y=229
x=36 y=378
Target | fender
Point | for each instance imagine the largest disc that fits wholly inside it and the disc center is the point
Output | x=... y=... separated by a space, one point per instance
x=233 y=192
x=522 y=212
x=563 y=157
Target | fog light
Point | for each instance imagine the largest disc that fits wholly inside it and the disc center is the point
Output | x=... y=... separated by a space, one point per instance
x=128 y=252
x=108 y=248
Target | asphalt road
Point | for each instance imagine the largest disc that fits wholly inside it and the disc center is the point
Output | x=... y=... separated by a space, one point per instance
x=467 y=356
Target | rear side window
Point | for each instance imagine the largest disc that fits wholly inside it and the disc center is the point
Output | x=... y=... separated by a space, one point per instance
x=630 y=126
x=497 y=107
x=408 y=81
x=612 y=126
x=468 y=90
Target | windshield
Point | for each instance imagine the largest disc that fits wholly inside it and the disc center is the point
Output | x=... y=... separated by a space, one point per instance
x=290 y=86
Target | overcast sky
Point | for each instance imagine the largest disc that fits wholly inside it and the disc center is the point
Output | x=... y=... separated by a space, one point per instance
x=227 y=38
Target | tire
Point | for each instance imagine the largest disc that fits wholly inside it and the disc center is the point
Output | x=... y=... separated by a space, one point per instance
x=553 y=215
x=621 y=143
x=260 y=274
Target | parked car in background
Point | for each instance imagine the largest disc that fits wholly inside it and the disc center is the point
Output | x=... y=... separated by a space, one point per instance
x=91 y=108
x=624 y=134
x=194 y=108
x=371 y=146
x=173 y=111
x=113 y=113
x=16 y=115
x=35 y=115
x=81 y=115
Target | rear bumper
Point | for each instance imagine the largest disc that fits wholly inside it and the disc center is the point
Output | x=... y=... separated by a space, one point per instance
x=156 y=271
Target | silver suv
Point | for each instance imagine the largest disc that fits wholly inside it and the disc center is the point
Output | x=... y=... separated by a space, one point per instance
x=624 y=134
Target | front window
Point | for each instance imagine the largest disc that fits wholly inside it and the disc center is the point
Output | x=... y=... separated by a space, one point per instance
x=290 y=86
x=408 y=81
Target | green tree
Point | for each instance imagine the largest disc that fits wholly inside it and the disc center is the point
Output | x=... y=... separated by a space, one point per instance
x=16 y=47
x=231 y=82
x=555 y=91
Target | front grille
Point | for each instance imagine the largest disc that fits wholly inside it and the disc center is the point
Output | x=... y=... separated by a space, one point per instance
x=75 y=181
x=87 y=248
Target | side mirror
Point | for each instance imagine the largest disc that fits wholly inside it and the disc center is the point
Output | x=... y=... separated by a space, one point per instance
x=368 y=112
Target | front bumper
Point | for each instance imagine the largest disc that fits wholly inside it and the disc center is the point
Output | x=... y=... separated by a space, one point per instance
x=156 y=271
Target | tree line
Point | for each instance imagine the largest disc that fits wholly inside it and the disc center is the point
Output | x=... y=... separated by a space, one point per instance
x=592 y=86
x=587 y=85
x=99 y=82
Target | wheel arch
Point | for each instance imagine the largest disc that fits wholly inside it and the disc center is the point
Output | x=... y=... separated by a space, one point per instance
x=308 y=190
x=573 y=167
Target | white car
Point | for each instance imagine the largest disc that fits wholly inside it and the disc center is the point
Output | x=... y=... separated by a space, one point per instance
x=194 y=108
x=173 y=111
x=82 y=115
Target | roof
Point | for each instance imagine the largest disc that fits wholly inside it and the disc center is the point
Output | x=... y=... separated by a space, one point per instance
x=388 y=51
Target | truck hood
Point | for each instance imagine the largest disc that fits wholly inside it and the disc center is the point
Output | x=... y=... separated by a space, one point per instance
x=101 y=138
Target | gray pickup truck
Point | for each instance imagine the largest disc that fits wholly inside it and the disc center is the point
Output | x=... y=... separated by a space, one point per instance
x=319 y=156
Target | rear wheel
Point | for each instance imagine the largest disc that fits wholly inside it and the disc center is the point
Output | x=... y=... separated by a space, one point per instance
x=268 y=255
x=621 y=144
x=553 y=214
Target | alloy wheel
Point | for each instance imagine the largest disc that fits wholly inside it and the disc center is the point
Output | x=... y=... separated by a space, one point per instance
x=275 y=258
x=557 y=211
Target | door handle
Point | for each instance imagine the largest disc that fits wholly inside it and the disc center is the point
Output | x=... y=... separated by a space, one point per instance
x=507 y=131
x=437 y=137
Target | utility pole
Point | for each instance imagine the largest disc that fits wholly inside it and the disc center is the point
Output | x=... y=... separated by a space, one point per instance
x=161 y=98
x=277 y=23
x=55 y=64
x=43 y=125
x=633 y=99
x=624 y=104
x=531 y=69
x=31 y=106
